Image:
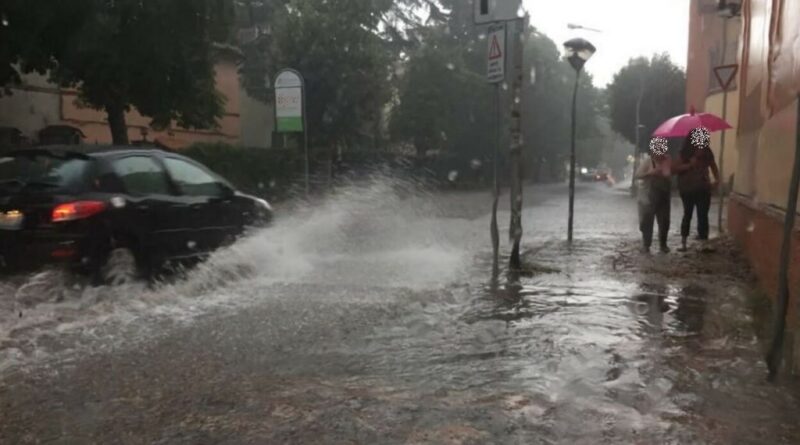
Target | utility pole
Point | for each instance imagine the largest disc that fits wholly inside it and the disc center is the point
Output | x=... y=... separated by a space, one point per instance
x=515 y=155
x=500 y=15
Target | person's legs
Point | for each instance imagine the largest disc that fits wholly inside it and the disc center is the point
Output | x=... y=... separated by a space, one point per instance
x=662 y=215
x=646 y=219
x=703 y=201
x=686 y=223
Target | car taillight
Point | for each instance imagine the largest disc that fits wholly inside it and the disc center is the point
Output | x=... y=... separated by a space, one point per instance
x=71 y=211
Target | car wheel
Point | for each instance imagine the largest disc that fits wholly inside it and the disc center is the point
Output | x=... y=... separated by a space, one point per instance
x=120 y=267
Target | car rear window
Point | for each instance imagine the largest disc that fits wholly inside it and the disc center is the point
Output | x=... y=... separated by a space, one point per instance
x=42 y=171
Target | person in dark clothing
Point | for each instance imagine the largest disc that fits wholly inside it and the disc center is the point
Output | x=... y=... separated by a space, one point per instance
x=694 y=182
x=655 y=194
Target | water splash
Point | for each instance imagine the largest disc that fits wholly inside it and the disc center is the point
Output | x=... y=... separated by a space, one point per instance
x=382 y=232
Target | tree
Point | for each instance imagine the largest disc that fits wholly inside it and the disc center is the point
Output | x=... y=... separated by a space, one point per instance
x=547 y=110
x=443 y=103
x=336 y=46
x=660 y=86
x=155 y=55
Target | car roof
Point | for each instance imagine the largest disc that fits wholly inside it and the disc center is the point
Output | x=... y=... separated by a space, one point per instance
x=95 y=150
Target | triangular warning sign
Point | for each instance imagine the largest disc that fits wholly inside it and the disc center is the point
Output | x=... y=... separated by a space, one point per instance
x=494 y=50
x=725 y=75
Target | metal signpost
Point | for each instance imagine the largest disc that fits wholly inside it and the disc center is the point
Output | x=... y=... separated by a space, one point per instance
x=290 y=110
x=497 y=13
x=725 y=75
x=495 y=74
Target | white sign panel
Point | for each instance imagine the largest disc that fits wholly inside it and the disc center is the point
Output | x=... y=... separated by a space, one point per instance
x=289 y=102
x=487 y=11
x=496 y=54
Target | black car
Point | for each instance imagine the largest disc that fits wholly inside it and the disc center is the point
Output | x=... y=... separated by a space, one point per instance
x=114 y=212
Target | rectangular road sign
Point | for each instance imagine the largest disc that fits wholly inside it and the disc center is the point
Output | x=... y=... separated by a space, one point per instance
x=496 y=54
x=487 y=11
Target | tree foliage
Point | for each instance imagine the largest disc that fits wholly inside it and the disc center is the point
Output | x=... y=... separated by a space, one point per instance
x=155 y=55
x=548 y=110
x=443 y=101
x=661 y=85
x=339 y=49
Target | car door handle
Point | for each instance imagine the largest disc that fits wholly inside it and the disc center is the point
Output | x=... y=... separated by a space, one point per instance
x=143 y=207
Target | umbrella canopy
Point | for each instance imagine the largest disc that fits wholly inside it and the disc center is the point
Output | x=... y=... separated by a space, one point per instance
x=680 y=126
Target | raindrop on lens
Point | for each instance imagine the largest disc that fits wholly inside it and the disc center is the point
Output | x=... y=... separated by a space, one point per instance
x=451 y=67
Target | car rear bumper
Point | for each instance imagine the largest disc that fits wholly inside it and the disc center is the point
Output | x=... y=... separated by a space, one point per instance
x=28 y=250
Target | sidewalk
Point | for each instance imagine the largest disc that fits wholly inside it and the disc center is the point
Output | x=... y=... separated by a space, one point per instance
x=710 y=321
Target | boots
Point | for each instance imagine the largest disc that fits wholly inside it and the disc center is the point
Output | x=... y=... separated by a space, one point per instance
x=683 y=245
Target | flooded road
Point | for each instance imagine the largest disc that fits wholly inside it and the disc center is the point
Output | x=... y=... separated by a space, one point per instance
x=373 y=318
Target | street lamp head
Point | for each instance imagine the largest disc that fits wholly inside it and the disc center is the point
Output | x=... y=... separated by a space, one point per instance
x=578 y=51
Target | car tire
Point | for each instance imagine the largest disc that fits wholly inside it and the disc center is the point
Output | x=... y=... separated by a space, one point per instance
x=120 y=268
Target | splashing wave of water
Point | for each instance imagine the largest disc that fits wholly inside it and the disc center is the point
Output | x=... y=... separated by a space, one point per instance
x=361 y=235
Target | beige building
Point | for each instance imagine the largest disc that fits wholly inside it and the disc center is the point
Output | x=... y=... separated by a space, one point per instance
x=764 y=110
x=714 y=42
x=38 y=104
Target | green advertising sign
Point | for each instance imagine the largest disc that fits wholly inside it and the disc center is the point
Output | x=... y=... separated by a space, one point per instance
x=289 y=125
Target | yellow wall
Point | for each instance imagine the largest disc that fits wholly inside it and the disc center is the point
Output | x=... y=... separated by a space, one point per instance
x=767 y=159
x=31 y=108
x=94 y=124
x=257 y=122
x=38 y=104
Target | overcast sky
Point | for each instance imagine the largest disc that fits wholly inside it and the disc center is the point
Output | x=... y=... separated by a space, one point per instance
x=630 y=28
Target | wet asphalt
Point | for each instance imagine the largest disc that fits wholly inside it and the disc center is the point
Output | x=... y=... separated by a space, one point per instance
x=379 y=323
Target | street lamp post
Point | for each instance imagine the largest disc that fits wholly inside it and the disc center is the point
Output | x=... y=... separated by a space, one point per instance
x=577 y=51
x=639 y=126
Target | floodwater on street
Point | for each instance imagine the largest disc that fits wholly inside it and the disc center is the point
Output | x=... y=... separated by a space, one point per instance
x=372 y=317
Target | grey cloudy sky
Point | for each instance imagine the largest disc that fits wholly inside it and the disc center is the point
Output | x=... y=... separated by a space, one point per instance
x=630 y=28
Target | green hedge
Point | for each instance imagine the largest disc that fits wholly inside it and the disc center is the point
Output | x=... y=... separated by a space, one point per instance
x=270 y=173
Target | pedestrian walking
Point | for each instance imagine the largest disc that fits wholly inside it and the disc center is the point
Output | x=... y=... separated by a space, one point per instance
x=655 y=193
x=694 y=182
